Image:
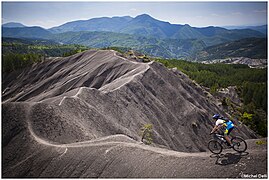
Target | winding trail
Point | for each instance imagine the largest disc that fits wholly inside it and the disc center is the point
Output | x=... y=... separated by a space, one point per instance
x=144 y=161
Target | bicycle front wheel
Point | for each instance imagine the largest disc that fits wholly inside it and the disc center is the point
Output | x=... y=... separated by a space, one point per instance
x=239 y=144
x=214 y=146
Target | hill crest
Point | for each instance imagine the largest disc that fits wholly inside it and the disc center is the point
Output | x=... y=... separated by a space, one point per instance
x=13 y=25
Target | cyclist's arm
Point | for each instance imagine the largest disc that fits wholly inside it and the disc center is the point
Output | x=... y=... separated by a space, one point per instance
x=215 y=128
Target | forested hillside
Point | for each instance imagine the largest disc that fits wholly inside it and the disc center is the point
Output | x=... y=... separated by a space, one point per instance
x=166 y=48
x=20 y=53
x=255 y=48
x=251 y=85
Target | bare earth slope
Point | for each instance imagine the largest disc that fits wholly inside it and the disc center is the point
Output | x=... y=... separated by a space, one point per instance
x=27 y=155
x=80 y=116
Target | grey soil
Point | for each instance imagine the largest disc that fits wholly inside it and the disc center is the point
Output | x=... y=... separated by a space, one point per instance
x=81 y=116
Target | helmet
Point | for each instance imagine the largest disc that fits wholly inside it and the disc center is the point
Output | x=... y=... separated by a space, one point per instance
x=216 y=116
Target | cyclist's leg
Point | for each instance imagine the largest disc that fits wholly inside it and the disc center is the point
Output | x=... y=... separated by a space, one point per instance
x=226 y=133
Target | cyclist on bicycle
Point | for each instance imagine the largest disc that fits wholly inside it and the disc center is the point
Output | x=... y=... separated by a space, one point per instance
x=220 y=121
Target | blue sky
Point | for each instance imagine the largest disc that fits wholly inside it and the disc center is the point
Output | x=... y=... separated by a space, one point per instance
x=197 y=14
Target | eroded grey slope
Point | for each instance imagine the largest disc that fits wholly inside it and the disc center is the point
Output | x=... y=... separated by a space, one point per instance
x=55 y=113
x=25 y=154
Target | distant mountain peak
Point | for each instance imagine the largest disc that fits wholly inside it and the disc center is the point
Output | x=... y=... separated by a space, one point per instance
x=26 y=32
x=144 y=16
x=187 y=25
x=13 y=25
x=128 y=17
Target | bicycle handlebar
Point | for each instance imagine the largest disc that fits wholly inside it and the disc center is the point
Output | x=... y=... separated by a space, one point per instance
x=214 y=133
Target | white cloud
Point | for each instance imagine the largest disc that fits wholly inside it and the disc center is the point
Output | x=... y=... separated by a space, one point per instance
x=133 y=9
x=260 y=11
x=237 y=13
x=214 y=14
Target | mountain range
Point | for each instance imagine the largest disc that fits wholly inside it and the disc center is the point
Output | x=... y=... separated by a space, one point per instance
x=143 y=33
x=146 y=25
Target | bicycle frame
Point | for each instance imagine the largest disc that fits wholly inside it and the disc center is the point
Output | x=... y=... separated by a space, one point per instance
x=239 y=144
x=220 y=138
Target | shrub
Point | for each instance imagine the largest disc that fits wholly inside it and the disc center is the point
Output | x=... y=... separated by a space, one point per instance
x=260 y=142
x=146 y=132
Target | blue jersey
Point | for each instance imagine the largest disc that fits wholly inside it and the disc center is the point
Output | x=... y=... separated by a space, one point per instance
x=229 y=124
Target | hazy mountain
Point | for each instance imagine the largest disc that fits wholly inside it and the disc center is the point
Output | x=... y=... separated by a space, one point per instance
x=26 y=32
x=159 y=47
x=141 y=25
x=255 y=48
x=187 y=32
x=146 y=25
x=143 y=33
x=13 y=25
x=223 y=36
x=262 y=29
x=113 y=24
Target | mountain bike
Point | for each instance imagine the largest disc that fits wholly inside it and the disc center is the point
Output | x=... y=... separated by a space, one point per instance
x=216 y=145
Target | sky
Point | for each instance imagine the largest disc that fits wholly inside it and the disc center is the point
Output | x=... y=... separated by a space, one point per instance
x=197 y=14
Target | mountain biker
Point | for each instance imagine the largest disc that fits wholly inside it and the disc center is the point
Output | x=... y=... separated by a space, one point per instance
x=220 y=121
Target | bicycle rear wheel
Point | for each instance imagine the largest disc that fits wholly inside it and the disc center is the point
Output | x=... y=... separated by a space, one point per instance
x=214 y=146
x=239 y=144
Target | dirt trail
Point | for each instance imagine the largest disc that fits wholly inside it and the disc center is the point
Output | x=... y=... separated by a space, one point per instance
x=119 y=156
